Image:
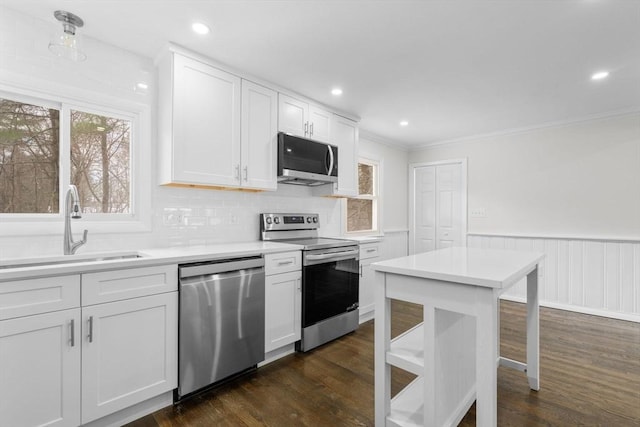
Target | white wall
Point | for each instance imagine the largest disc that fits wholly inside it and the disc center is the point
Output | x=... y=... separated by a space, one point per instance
x=394 y=180
x=571 y=192
x=576 y=180
x=178 y=216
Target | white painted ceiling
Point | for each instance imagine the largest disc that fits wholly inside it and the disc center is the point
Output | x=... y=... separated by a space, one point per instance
x=453 y=69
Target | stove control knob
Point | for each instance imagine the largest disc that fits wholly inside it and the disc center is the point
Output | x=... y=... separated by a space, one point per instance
x=276 y=220
x=308 y=220
x=269 y=220
x=315 y=219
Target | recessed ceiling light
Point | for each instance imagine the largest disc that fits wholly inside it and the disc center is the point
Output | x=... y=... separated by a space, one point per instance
x=404 y=123
x=336 y=91
x=200 y=28
x=600 y=75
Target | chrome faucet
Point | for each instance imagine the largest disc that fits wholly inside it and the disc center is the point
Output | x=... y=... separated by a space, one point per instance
x=72 y=210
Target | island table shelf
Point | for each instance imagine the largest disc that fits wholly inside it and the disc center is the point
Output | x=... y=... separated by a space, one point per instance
x=455 y=350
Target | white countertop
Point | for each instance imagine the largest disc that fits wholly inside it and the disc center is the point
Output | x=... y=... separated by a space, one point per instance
x=74 y=264
x=472 y=266
x=365 y=239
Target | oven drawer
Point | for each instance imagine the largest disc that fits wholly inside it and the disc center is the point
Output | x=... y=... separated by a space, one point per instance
x=283 y=262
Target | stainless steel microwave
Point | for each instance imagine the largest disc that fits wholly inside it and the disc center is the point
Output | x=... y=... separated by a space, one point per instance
x=305 y=162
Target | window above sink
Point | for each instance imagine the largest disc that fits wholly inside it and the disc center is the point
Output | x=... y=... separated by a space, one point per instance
x=48 y=142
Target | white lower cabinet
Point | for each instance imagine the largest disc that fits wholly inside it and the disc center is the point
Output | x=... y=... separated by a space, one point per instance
x=283 y=299
x=369 y=253
x=40 y=370
x=128 y=353
x=63 y=366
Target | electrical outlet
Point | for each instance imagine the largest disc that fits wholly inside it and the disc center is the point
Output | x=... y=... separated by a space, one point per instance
x=478 y=213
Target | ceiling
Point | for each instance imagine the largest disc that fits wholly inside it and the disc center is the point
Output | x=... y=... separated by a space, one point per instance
x=453 y=69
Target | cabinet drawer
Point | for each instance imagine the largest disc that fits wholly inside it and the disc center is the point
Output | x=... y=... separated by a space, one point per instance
x=34 y=296
x=369 y=250
x=282 y=262
x=117 y=285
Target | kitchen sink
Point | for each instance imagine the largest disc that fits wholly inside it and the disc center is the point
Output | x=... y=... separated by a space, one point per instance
x=68 y=259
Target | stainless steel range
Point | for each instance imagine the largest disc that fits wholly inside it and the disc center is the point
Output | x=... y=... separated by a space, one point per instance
x=329 y=276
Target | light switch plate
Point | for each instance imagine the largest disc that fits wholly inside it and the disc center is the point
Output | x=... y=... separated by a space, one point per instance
x=478 y=213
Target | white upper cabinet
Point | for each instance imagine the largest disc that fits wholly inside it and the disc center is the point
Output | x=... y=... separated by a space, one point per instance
x=205 y=138
x=344 y=134
x=293 y=116
x=319 y=124
x=215 y=129
x=298 y=118
x=258 y=136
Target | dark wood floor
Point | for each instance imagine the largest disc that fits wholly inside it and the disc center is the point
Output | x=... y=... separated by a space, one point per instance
x=590 y=376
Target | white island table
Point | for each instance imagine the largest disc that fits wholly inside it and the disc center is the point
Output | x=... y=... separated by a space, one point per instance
x=455 y=351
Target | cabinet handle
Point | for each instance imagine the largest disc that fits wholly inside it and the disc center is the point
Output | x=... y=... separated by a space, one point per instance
x=299 y=288
x=246 y=173
x=370 y=250
x=311 y=129
x=237 y=172
x=285 y=262
x=72 y=327
x=360 y=270
x=90 y=336
x=306 y=128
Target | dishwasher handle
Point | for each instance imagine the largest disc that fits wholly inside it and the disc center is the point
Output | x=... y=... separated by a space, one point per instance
x=223 y=266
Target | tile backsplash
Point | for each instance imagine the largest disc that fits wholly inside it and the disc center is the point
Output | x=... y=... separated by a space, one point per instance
x=187 y=217
x=194 y=217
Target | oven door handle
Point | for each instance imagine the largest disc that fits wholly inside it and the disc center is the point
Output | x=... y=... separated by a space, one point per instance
x=332 y=255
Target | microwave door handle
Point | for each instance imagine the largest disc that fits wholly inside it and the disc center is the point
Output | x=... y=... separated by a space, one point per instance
x=330 y=160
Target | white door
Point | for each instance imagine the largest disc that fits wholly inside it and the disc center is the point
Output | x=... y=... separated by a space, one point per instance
x=319 y=124
x=129 y=353
x=40 y=370
x=283 y=301
x=206 y=140
x=438 y=206
x=293 y=116
x=259 y=133
x=424 y=230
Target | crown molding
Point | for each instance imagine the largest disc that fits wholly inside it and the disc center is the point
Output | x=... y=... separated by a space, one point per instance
x=515 y=131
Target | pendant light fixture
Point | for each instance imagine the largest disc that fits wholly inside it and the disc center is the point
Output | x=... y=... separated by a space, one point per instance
x=68 y=44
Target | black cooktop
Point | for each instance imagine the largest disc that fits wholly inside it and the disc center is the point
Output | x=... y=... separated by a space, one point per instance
x=319 y=243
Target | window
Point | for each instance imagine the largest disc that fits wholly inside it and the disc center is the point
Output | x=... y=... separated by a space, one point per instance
x=30 y=151
x=45 y=145
x=29 y=158
x=100 y=162
x=362 y=210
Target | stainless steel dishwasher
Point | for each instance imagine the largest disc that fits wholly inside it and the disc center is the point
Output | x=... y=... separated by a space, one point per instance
x=221 y=321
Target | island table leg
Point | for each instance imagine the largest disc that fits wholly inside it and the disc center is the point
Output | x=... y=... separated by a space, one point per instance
x=533 y=331
x=486 y=357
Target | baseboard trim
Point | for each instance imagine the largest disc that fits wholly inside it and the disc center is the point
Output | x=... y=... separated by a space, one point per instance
x=134 y=412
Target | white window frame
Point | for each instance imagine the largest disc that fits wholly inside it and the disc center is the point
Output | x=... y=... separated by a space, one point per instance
x=376 y=197
x=139 y=220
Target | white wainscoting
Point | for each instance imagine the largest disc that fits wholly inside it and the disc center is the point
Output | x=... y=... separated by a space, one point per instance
x=395 y=244
x=593 y=276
